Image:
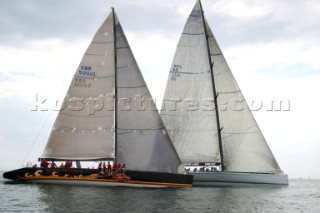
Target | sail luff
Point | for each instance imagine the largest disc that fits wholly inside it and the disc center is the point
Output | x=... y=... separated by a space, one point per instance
x=215 y=95
x=115 y=86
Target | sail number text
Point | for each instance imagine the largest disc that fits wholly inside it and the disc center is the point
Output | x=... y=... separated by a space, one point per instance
x=86 y=70
x=81 y=82
x=175 y=72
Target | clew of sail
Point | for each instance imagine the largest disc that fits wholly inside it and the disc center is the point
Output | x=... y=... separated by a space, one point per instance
x=194 y=132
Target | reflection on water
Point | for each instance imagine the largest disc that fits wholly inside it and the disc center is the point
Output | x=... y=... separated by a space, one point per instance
x=20 y=197
x=98 y=199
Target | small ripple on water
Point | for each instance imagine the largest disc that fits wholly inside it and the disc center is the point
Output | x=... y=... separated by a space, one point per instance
x=300 y=196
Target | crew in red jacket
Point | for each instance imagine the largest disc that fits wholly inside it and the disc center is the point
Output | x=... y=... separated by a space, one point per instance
x=100 y=166
x=68 y=164
x=115 y=166
x=44 y=163
x=53 y=165
x=109 y=168
x=119 y=167
x=104 y=167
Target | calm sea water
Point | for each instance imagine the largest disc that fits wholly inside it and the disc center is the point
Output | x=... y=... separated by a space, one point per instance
x=300 y=196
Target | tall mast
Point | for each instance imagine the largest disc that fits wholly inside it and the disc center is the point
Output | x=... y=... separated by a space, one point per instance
x=215 y=95
x=115 y=87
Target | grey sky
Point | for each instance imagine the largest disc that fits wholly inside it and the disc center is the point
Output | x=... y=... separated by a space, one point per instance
x=277 y=20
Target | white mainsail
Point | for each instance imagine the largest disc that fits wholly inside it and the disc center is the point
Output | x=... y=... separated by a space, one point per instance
x=93 y=126
x=195 y=133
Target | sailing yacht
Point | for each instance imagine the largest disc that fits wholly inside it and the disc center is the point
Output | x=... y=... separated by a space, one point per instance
x=102 y=119
x=207 y=117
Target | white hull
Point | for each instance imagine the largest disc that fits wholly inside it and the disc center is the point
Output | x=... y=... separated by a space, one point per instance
x=237 y=179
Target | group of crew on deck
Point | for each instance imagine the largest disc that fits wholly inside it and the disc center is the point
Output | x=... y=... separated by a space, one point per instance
x=202 y=169
x=45 y=164
x=109 y=169
x=103 y=167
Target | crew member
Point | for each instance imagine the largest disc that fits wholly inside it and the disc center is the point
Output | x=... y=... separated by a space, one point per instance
x=114 y=168
x=44 y=163
x=109 y=168
x=123 y=168
x=53 y=165
x=100 y=166
x=119 y=168
x=67 y=164
x=104 y=167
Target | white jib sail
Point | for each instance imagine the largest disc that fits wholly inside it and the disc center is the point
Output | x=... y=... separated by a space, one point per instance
x=84 y=126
